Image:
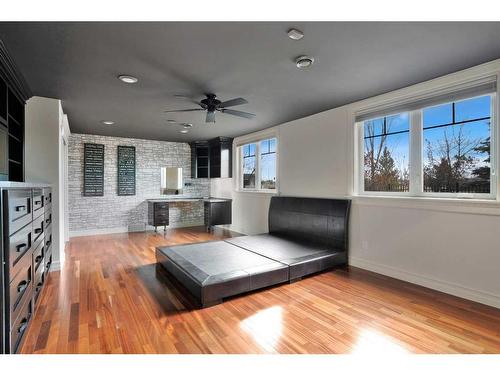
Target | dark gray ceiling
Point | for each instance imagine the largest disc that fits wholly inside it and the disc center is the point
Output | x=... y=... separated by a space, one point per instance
x=79 y=62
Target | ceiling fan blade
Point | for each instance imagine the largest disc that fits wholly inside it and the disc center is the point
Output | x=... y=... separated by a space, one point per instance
x=185 y=110
x=210 y=117
x=238 y=113
x=233 y=102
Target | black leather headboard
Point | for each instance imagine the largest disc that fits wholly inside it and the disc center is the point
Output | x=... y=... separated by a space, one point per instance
x=320 y=221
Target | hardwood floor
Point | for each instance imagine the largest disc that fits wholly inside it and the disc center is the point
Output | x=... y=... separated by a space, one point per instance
x=111 y=299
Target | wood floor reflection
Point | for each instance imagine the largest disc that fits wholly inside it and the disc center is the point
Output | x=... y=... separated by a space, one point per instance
x=110 y=298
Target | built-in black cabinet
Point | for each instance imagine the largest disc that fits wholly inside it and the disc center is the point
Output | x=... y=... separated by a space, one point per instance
x=13 y=95
x=3 y=102
x=221 y=160
x=199 y=159
x=212 y=159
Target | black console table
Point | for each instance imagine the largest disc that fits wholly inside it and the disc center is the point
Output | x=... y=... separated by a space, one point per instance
x=217 y=211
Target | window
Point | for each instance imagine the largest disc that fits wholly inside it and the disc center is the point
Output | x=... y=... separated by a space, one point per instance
x=249 y=166
x=268 y=164
x=436 y=149
x=258 y=165
x=386 y=153
x=457 y=147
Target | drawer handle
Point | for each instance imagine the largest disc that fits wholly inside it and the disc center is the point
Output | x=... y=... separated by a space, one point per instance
x=38 y=259
x=20 y=247
x=21 y=287
x=47 y=244
x=20 y=208
x=38 y=230
x=22 y=327
x=37 y=203
x=47 y=221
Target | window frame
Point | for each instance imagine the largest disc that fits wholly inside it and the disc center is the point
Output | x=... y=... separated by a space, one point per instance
x=416 y=162
x=258 y=176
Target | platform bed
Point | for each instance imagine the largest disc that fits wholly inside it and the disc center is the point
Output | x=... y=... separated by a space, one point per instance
x=306 y=235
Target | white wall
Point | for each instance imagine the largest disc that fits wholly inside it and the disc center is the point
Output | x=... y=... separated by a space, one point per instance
x=447 y=245
x=43 y=160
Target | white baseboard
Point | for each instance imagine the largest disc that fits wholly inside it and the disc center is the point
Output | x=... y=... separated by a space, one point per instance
x=94 y=232
x=442 y=286
x=56 y=266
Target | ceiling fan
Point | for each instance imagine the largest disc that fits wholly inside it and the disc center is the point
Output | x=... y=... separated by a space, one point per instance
x=212 y=105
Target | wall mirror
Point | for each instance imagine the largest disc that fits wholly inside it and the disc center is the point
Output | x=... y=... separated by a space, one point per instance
x=171 y=180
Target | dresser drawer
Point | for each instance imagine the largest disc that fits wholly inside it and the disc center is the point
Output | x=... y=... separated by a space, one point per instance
x=20 y=210
x=38 y=283
x=48 y=217
x=20 y=325
x=20 y=288
x=47 y=197
x=38 y=255
x=38 y=225
x=48 y=259
x=19 y=244
x=159 y=206
x=161 y=219
x=48 y=238
x=38 y=202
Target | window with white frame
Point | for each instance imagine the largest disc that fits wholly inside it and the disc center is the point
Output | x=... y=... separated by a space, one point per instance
x=439 y=147
x=258 y=165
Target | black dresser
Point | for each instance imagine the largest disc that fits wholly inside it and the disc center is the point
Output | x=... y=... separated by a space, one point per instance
x=26 y=257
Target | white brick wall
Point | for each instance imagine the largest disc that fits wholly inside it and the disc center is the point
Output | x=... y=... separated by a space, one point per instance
x=111 y=212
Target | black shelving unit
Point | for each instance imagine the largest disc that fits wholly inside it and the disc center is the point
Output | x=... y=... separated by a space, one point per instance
x=200 y=162
x=11 y=134
x=13 y=95
x=15 y=124
x=211 y=159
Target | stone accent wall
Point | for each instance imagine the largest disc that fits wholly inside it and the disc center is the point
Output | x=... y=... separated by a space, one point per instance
x=114 y=213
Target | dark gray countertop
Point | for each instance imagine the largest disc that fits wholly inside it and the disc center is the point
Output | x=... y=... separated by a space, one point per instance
x=188 y=199
x=173 y=200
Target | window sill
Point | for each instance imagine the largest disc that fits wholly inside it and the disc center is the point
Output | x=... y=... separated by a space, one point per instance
x=459 y=205
x=258 y=192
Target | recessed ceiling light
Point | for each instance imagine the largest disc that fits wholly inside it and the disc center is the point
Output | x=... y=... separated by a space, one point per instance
x=171 y=121
x=127 y=79
x=187 y=126
x=295 y=34
x=184 y=131
x=303 y=62
x=107 y=122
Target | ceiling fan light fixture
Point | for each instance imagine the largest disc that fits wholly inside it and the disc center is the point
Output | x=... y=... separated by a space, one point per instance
x=127 y=79
x=211 y=105
x=303 y=62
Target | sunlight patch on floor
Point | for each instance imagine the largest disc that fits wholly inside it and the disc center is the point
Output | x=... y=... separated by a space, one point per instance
x=265 y=327
x=371 y=342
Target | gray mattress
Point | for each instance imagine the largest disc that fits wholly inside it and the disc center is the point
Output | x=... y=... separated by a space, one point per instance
x=302 y=258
